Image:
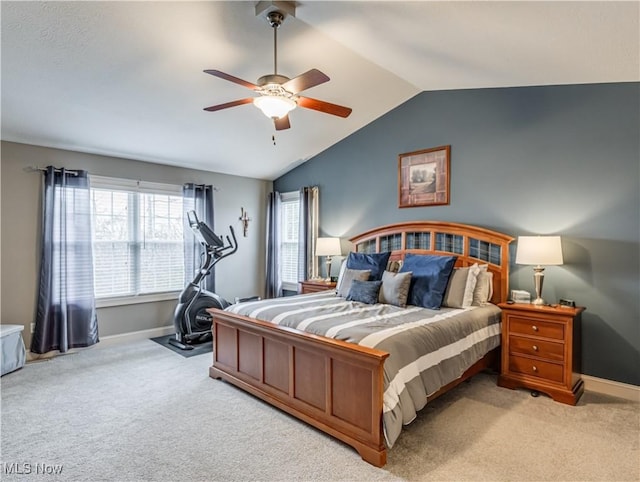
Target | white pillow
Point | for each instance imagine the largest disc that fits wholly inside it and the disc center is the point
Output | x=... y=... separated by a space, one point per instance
x=484 y=286
x=472 y=281
x=343 y=267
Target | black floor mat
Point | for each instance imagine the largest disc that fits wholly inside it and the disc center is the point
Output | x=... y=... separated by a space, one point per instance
x=199 y=349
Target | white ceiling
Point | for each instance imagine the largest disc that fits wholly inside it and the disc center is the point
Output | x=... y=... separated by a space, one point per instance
x=125 y=78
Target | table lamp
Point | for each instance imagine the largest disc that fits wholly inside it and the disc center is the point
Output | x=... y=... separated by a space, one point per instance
x=328 y=247
x=538 y=251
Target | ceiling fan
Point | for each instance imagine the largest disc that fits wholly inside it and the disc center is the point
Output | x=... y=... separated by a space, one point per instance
x=279 y=94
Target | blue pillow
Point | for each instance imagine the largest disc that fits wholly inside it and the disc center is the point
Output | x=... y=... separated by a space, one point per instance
x=364 y=291
x=429 y=279
x=376 y=262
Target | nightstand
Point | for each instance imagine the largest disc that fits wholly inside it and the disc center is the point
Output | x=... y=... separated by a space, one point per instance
x=313 y=286
x=541 y=350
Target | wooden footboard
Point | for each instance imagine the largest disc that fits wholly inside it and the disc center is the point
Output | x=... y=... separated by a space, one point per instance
x=335 y=386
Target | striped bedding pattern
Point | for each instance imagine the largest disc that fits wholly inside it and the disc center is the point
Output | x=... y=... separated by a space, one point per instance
x=428 y=348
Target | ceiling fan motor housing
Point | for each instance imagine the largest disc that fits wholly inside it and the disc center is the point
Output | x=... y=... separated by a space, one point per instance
x=272 y=79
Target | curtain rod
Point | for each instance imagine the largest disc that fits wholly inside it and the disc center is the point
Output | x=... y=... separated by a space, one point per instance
x=216 y=189
x=73 y=172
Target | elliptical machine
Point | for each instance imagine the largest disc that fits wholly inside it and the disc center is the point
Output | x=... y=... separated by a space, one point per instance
x=191 y=320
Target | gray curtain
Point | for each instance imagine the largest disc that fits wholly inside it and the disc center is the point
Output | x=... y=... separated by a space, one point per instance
x=273 y=275
x=308 y=233
x=198 y=198
x=66 y=314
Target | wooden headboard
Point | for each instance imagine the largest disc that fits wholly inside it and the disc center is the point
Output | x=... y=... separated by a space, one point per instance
x=471 y=244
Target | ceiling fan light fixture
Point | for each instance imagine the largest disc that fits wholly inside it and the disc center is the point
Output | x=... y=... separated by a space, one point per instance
x=274 y=106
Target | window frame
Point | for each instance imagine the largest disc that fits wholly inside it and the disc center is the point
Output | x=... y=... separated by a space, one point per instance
x=288 y=197
x=137 y=187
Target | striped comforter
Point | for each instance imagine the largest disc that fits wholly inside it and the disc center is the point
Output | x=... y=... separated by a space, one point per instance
x=427 y=348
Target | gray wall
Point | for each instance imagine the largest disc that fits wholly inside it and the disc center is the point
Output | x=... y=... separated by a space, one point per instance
x=534 y=160
x=239 y=275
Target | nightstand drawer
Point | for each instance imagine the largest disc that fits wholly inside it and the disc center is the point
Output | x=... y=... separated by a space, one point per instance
x=536 y=368
x=528 y=326
x=531 y=346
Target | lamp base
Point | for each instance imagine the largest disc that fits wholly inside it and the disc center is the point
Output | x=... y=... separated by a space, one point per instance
x=328 y=261
x=538 y=280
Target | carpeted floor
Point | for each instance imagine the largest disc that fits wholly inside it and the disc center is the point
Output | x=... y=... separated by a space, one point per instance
x=138 y=412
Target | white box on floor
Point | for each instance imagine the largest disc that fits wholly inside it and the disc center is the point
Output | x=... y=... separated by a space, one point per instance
x=11 y=348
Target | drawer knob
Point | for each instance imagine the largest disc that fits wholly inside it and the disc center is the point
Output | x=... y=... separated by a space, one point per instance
x=535 y=347
x=535 y=368
x=534 y=328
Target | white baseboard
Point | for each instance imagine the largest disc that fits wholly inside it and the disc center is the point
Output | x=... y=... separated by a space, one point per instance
x=610 y=387
x=106 y=341
x=134 y=336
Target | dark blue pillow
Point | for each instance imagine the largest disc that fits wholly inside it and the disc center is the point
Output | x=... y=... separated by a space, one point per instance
x=429 y=279
x=364 y=291
x=376 y=262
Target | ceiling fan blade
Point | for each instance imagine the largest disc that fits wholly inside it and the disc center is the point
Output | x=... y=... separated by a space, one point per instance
x=214 y=108
x=322 y=106
x=305 y=81
x=231 y=78
x=282 y=123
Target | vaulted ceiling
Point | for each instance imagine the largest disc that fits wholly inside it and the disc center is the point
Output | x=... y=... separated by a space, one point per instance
x=126 y=79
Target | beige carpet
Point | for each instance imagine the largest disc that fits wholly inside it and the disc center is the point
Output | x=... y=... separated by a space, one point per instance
x=141 y=412
x=483 y=432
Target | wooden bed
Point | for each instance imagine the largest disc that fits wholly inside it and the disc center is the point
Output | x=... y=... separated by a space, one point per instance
x=336 y=386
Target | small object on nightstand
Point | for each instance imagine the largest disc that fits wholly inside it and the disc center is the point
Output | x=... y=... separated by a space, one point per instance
x=566 y=303
x=520 y=296
x=541 y=350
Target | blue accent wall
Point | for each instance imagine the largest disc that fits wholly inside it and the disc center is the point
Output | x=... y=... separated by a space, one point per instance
x=562 y=160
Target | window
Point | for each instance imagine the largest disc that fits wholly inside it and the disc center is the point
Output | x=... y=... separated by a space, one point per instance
x=137 y=238
x=290 y=220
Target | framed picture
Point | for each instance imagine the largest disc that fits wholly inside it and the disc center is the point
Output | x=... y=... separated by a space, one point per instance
x=423 y=177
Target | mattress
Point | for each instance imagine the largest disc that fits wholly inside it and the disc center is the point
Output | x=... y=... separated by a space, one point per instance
x=427 y=348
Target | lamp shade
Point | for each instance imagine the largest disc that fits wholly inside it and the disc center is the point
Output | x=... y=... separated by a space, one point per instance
x=539 y=250
x=274 y=106
x=328 y=247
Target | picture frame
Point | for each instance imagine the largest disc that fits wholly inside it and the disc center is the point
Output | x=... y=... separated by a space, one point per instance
x=423 y=177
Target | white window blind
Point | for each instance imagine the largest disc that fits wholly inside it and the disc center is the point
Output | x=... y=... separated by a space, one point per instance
x=137 y=243
x=290 y=216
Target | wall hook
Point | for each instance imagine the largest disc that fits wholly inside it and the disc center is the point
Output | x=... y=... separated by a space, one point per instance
x=244 y=217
